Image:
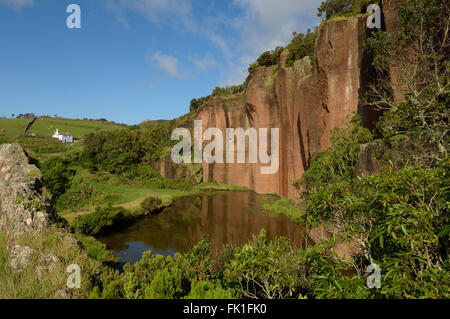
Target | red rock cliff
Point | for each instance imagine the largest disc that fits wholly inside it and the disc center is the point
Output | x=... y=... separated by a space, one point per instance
x=304 y=105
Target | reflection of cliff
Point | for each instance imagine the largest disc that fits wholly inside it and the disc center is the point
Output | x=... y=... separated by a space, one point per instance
x=236 y=218
x=225 y=218
x=304 y=105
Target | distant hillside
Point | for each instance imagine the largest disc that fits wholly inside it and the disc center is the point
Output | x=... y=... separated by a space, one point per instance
x=39 y=142
x=47 y=126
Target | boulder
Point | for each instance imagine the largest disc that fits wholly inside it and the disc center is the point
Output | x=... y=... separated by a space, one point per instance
x=20 y=256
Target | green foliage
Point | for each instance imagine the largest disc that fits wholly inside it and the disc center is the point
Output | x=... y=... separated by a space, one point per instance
x=284 y=206
x=96 y=249
x=347 y=8
x=149 y=177
x=33 y=173
x=151 y=205
x=101 y=220
x=301 y=45
x=270 y=58
x=155 y=142
x=419 y=54
x=33 y=205
x=338 y=161
x=196 y=104
x=56 y=173
x=111 y=151
x=267 y=59
x=18 y=200
x=80 y=194
x=263 y=269
x=167 y=284
x=397 y=217
x=26 y=284
x=209 y=290
x=129 y=154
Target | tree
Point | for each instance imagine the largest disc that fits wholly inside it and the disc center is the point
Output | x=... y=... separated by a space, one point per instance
x=56 y=175
x=301 y=45
x=331 y=8
x=412 y=78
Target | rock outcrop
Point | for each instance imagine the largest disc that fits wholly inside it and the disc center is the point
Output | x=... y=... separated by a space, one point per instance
x=367 y=163
x=22 y=206
x=25 y=211
x=304 y=104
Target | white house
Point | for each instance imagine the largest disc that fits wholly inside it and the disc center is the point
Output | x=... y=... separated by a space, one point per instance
x=64 y=137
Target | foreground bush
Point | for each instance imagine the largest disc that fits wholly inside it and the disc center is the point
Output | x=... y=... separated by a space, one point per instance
x=331 y=8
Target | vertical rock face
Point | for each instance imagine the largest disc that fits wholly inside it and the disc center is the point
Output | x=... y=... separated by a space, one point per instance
x=22 y=207
x=303 y=104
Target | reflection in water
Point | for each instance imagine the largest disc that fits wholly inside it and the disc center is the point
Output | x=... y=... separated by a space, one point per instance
x=227 y=218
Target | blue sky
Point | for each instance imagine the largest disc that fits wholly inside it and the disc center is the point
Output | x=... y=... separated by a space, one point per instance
x=134 y=60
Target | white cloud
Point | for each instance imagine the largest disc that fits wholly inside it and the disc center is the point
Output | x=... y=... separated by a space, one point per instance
x=17 y=4
x=115 y=9
x=166 y=63
x=205 y=62
x=177 y=13
x=252 y=27
x=266 y=24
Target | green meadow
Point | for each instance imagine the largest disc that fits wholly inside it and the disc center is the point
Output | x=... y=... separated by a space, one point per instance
x=47 y=126
x=39 y=141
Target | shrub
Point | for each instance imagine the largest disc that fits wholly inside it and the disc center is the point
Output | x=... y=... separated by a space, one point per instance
x=56 y=175
x=196 y=104
x=268 y=58
x=96 y=249
x=338 y=161
x=263 y=269
x=112 y=151
x=101 y=220
x=151 y=205
x=415 y=100
x=331 y=8
x=209 y=290
x=398 y=218
x=80 y=194
x=301 y=45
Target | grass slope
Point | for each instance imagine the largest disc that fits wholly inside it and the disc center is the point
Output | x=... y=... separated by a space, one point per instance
x=39 y=142
x=47 y=126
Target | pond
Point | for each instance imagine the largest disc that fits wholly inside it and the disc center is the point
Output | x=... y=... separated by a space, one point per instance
x=226 y=218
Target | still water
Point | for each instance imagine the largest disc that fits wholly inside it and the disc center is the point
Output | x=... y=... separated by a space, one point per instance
x=226 y=218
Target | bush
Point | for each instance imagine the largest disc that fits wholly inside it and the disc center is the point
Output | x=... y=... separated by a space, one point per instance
x=111 y=151
x=263 y=269
x=56 y=175
x=415 y=100
x=301 y=45
x=196 y=104
x=80 y=194
x=101 y=220
x=268 y=58
x=151 y=205
x=398 y=219
x=209 y=290
x=331 y=8
x=96 y=249
x=338 y=161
